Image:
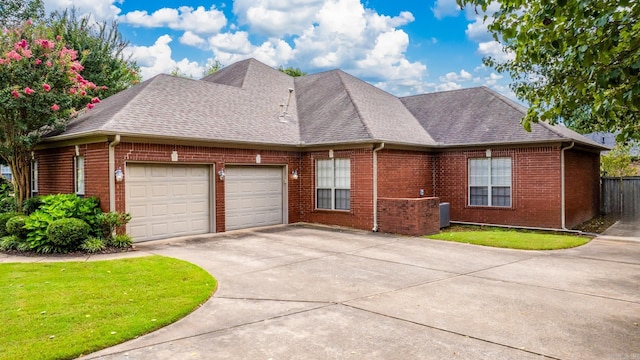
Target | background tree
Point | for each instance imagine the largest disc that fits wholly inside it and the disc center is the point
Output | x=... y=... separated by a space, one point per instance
x=40 y=80
x=291 y=71
x=102 y=47
x=15 y=12
x=575 y=61
x=617 y=162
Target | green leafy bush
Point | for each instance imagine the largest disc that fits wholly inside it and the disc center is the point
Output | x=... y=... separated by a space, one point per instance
x=110 y=221
x=16 y=226
x=93 y=245
x=7 y=199
x=56 y=207
x=9 y=242
x=31 y=205
x=3 y=222
x=122 y=241
x=67 y=234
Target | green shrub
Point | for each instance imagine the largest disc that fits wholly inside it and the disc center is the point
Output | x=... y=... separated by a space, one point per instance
x=7 y=198
x=56 y=207
x=122 y=241
x=67 y=234
x=4 y=217
x=31 y=205
x=16 y=226
x=93 y=245
x=9 y=242
x=110 y=221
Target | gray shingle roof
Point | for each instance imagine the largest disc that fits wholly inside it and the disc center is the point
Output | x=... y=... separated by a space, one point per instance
x=481 y=116
x=245 y=103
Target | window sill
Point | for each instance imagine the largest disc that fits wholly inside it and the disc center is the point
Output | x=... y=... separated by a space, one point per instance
x=485 y=207
x=332 y=211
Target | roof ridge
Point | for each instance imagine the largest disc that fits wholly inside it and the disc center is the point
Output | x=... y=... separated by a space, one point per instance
x=355 y=105
x=148 y=82
x=502 y=98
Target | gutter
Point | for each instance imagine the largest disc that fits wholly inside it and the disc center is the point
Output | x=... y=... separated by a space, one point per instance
x=375 y=186
x=562 y=185
x=112 y=170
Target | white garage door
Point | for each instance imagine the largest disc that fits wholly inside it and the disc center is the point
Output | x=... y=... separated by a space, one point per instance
x=167 y=200
x=253 y=196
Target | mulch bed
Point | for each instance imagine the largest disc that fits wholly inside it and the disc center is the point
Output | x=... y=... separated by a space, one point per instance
x=108 y=250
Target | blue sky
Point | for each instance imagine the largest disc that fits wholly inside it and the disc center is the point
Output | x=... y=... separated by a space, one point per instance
x=404 y=47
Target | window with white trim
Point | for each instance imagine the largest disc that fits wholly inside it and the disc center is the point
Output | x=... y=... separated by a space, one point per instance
x=333 y=184
x=490 y=182
x=78 y=170
x=34 y=177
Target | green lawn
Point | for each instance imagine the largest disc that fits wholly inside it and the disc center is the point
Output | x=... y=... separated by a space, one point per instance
x=513 y=239
x=62 y=310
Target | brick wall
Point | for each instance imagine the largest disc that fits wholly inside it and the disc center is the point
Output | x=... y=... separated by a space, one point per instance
x=535 y=187
x=360 y=216
x=582 y=186
x=409 y=216
x=401 y=174
x=55 y=170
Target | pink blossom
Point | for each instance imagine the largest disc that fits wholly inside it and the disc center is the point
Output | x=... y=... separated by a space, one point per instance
x=104 y=87
x=46 y=87
x=38 y=61
x=55 y=107
x=58 y=37
x=29 y=22
x=15 y=94
x=27 y=53
x=28 y=90
x=45 y=43
x=21 y=44
x=2 y=61
x=49 y=63
x=13 y=55
x=73 y=91
x=95 y=100
x=83 y=93
x=90 y=106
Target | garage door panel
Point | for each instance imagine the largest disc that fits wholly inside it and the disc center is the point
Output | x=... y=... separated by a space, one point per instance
x=166 y=200
x=253 y=196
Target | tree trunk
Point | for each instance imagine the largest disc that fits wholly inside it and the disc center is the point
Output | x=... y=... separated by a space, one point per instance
x=20 y=170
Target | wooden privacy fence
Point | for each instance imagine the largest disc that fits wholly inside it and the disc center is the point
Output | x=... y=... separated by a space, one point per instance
x=620 y=196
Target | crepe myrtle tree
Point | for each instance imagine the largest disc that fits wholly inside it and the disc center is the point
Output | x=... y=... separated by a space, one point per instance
x=574 y=61
x=40 y=78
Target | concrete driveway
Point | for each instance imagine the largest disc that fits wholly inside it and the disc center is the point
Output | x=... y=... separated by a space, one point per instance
x=302 y=292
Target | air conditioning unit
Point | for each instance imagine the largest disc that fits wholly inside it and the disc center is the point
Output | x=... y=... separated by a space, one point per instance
x=445 y=211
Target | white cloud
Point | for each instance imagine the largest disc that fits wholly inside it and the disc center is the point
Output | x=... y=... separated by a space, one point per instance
x=495 y=50
x=231 y=47
x=492 y=79
x=156 y=59
x=191 y=39
x=454 y=77
x=444 y=8
x=277 y=17
x=198 y=20
x=447 y=86
x=99 y=9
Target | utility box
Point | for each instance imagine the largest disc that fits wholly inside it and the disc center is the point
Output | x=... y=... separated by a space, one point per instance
x=445 y=212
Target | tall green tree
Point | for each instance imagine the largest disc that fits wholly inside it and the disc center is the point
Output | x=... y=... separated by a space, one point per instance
x=15 y=12
x=102 y=47
x=575 y=61
x=40 y=80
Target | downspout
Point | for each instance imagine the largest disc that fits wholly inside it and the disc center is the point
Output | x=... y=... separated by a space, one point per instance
x=375 y=186
x=112 y=170
x=562 y=186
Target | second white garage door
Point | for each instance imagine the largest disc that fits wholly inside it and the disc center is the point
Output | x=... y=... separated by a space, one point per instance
x=253 y=196
x=167 y=200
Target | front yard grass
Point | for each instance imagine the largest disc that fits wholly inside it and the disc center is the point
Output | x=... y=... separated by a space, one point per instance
x=510 y=238
x=65 y=309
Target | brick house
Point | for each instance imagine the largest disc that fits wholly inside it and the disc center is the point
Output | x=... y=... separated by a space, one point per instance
x=250 y=146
